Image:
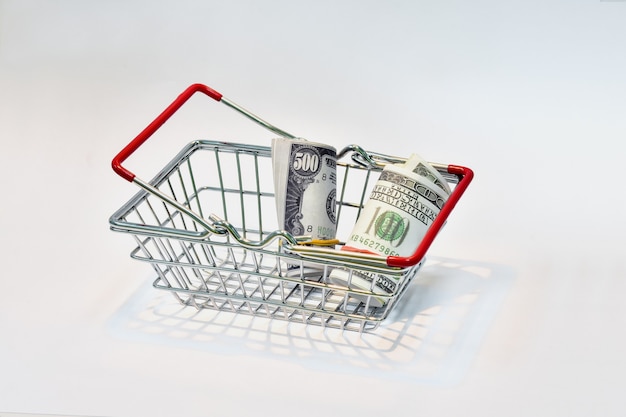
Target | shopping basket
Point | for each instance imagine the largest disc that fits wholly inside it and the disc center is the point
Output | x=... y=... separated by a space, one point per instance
x=207 y=225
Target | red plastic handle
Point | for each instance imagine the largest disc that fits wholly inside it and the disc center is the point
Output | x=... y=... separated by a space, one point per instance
x=155 y=125
x=466 y=175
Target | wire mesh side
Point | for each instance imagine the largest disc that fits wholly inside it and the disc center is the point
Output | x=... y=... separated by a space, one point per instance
x=239 y=280
x=210 y=179
x=273 y=297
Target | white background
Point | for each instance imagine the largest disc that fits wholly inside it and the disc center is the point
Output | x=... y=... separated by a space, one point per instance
x=520 y=309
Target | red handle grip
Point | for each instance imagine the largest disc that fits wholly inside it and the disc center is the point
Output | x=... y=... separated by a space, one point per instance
x=155 y=125
x=466 y=175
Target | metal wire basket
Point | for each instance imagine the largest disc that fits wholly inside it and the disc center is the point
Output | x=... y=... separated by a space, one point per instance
x=207 y=225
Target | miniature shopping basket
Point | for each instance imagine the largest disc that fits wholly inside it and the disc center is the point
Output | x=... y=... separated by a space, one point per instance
x=207 y=225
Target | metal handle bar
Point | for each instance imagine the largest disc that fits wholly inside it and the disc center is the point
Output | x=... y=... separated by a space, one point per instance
x=168 y=112
x=462 y=175
x=155 y=125
x=465 y=177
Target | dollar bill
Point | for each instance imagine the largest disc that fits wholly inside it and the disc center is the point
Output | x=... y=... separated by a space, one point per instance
x=402 y=206
x=416 y=164
x=305 y=184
